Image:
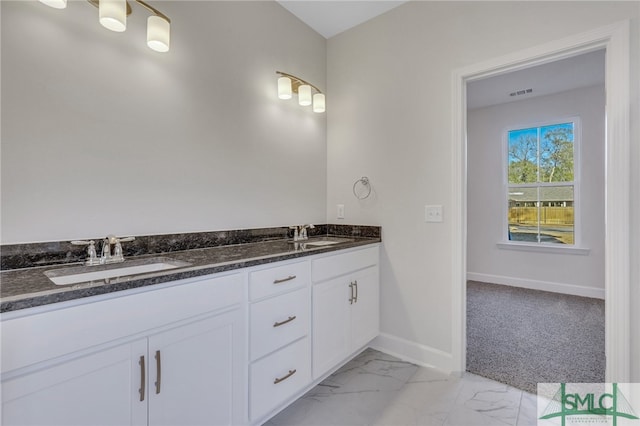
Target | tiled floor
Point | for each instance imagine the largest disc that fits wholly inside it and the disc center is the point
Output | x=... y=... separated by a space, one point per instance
x=378 y=389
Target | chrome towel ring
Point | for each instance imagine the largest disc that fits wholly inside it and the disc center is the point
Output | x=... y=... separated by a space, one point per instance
x=361 y=195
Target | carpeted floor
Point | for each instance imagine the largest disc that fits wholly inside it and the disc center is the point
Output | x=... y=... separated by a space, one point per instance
x=523 y=337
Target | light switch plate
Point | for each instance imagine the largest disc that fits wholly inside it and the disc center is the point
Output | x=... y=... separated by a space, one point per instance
x=433 y=213
x=340 y=211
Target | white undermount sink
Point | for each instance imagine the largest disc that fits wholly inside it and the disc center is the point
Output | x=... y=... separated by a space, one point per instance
x=81 y=274
x=321 y=243
x=324 y=241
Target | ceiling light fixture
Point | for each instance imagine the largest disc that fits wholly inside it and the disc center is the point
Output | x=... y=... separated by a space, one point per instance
x=56 y=4
x=113 y=15
x=289 y=84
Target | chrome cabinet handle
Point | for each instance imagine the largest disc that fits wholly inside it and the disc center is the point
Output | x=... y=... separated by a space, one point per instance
x=143 y=380
x=351 y=298
x=283 y=378
x=158 y=372
x=278 y=324
x=284 y=280
x=355 y=284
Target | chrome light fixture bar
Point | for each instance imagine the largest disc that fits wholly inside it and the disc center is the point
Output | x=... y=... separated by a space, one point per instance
x=113 y=16
x=289 y=84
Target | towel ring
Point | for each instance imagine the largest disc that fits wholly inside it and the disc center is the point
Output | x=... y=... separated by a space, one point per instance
x=364 y=181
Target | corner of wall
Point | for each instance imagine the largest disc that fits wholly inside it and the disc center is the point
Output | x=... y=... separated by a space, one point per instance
x=413 y=352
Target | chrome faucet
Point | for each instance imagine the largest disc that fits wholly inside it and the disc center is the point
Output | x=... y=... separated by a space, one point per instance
x=300 y=232
x=111 y=250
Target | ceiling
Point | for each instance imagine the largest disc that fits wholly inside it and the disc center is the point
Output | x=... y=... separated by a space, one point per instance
x=331 y=17
x=567 y=74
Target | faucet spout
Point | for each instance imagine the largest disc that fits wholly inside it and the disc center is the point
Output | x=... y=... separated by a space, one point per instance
x=112 y=249
x=106 y=250
x=302 y=234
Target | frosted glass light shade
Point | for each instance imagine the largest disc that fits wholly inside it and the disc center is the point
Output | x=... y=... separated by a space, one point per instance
x=304 y=95
x=113 y=14
x=318 y=102
x=158 y=33
x=56 y=4
x=284 y=88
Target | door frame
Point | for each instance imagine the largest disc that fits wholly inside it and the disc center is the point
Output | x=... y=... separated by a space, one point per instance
x=615 y=39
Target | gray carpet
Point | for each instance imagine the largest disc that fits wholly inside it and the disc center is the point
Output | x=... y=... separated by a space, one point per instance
x=523 y=337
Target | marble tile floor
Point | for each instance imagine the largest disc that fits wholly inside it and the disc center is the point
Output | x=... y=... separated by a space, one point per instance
x=379 y=389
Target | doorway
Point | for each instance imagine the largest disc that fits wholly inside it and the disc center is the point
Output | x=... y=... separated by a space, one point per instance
x=615 y=40
x=535 y=223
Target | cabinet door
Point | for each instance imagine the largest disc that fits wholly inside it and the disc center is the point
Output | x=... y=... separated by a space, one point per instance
x=101 y=388
x=365 y=312
x=196 y=373
x=331 y=324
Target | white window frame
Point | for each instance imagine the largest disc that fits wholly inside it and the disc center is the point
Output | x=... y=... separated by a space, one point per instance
x=576 y=247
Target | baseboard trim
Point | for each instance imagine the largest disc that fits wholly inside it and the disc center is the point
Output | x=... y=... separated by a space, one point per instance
x=575 y=290
x=413 y=352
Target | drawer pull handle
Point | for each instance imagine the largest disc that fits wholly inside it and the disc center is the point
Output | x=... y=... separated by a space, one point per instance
x=158 y=372
x=143 y=380
x=284 y=280
x=351 y=298
x=278 y=324
x=355 y=284
x=283 y=378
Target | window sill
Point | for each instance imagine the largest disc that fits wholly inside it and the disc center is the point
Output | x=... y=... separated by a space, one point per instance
x=543 y=248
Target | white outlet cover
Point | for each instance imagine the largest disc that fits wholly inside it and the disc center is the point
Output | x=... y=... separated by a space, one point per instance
x=433 y=213
x=340 y=211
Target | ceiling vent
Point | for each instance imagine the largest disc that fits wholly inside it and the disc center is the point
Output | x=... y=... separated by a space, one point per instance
x=521 y=92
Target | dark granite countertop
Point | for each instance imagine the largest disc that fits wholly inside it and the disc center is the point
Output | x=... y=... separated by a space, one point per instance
x=29 y=287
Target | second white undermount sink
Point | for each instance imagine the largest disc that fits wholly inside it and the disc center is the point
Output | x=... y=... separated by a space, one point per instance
x=324 y=241
x=81 y=274
x=321 y=243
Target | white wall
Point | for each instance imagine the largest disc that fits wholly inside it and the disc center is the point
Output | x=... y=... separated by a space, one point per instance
x=390 y=119
x=102 y=135
x=575 y=274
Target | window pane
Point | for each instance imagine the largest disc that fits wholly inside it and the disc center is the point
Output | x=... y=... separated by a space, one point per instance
x=556 y=215
x=556 y=153
x=523 y=153
x=523 y=214
x=541 y=215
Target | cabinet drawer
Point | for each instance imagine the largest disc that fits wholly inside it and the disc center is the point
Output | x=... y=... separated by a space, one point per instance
x=268 y=282
x=278 y=377
x=279 y=321
x=334 y=266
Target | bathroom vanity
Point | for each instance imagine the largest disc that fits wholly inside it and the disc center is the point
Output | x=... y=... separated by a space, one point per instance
x=233 y=342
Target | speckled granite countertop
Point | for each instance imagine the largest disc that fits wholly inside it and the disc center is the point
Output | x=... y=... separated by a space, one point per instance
x=29 y=287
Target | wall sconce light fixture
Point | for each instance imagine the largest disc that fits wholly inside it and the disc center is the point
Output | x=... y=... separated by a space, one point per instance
x=289 y=84
x=113 y=16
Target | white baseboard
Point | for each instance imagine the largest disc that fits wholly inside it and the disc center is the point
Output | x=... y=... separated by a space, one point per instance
x=576 y=290
x=413 y=352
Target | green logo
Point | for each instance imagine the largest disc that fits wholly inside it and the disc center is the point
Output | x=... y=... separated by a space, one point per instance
x=612 y=404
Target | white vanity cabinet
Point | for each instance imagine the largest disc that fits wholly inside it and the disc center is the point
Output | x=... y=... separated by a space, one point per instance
x=280 y=343
x=345 y=306
x=163 y=357
x=226 y=349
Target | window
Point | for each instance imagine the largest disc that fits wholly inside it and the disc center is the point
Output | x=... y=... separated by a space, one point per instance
x=541 y=183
